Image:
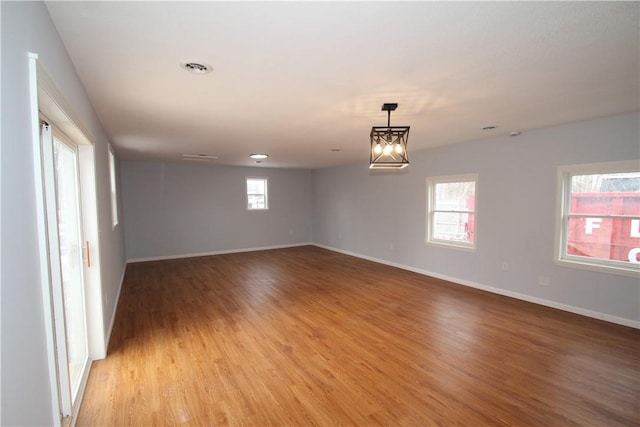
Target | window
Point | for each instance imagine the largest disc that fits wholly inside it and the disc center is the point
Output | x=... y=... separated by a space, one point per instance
x=114 y=191
x=451 y=211
x=257 y=194
x=599 y=217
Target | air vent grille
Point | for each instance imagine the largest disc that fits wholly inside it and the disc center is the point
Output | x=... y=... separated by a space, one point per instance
x=199 y=157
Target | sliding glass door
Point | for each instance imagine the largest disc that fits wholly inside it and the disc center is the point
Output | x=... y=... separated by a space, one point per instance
x=71 y=245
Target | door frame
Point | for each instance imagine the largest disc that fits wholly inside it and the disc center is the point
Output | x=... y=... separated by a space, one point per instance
x=46 y=99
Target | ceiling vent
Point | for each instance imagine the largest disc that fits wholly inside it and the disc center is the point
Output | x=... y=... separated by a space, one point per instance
x=196 y=67
x=198 y=157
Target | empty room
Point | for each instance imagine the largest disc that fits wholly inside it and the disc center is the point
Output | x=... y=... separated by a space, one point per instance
x=320 y=213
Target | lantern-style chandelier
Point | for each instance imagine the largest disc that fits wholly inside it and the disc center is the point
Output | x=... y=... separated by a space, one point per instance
x=389 y=143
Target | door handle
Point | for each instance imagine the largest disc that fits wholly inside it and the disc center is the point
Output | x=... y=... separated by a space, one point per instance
x=88 y=255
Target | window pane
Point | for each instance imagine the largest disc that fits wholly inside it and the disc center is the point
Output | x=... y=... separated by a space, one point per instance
x=600 y=237
x=455 y=227
x=606 y=194
x=255 y=186
x=459 y=196
x=256 y=201
x=257 y=193
x=114 y=195
x=605 y=238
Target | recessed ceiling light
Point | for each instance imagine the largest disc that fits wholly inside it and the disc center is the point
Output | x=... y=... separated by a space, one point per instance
x=197 y=67
x=335 y=150
x=258 y=156
x=490 y=127
x=516 y=133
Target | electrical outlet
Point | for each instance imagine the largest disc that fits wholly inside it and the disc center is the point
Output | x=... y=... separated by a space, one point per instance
x=505 y=266
x=339 y=236
x=543 y=280
x=391 y=247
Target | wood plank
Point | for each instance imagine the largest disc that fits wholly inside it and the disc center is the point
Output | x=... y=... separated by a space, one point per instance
x=306 y=336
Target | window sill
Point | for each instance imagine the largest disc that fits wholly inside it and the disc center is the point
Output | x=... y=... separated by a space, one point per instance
x=450 y=245
x=621 y=271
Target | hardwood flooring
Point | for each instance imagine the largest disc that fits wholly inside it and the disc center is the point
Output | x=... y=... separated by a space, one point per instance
x=306 y=336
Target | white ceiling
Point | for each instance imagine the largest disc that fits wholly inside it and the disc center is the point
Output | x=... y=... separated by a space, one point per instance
x=297 y=79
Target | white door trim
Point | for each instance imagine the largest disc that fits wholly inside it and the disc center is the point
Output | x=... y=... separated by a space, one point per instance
x=43 y=245
x=47 y=99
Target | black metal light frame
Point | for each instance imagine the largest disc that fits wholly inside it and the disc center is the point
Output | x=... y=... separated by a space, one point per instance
x=390 y=137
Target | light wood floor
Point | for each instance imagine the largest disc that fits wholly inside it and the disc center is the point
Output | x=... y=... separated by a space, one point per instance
x=305 y=336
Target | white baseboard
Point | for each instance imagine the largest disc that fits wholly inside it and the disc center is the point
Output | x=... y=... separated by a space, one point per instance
x=517 y=295
x=115 y=310
x=230 y=251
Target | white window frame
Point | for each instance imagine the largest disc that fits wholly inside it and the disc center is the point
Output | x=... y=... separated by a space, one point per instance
x=113 y=185
x=561 y=257
x=431 y=184
x=266 y=193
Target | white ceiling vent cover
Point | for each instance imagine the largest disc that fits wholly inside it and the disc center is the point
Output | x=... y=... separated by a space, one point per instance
x=198 y=157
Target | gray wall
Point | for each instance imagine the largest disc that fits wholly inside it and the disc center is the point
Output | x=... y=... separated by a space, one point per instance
x=27 y=27
x=363 y=213
x=175 y=209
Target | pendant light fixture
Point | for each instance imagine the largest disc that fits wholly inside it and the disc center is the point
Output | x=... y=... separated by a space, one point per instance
x=389 y=144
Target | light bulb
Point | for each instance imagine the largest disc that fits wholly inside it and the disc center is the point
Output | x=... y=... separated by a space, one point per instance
x=398 y=148
x=387 y=149
x=377 y=149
